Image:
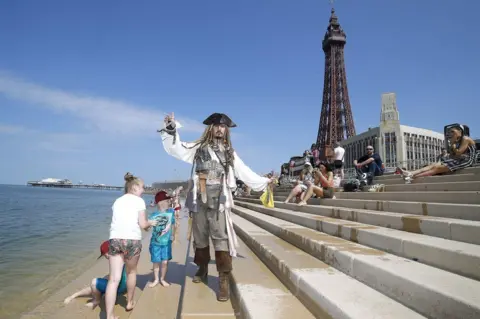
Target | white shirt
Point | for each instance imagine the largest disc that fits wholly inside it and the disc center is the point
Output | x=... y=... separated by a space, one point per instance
x=125 y=217
x=339 y=153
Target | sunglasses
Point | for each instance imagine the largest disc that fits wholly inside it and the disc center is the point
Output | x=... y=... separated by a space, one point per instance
x=369 y=149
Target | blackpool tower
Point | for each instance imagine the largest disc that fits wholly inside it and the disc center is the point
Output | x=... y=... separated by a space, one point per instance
x=336 y=119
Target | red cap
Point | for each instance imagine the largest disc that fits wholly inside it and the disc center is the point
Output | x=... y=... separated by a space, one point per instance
x=104 y=248
x=161 y=195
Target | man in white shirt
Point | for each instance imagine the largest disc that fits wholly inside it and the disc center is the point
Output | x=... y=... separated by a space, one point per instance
x=339 y=158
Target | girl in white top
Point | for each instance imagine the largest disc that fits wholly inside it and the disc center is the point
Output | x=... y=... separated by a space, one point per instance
x=128 y=219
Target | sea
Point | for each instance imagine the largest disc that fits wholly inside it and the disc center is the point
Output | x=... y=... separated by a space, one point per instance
x=48 y=237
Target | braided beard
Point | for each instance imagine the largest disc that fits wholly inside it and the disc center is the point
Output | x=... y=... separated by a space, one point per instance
x=218 y=144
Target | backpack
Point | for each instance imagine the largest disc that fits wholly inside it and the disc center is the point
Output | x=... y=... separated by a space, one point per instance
x=352 y=185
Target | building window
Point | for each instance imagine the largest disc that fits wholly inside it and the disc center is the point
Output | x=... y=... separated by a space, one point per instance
x=390 y=149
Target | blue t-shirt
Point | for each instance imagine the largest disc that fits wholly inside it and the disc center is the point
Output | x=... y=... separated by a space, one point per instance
x=162 y=234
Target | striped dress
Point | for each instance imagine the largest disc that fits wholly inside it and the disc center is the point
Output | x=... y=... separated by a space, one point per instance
x=464 y=160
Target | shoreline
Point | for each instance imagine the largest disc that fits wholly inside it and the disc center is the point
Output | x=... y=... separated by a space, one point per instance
x=55 y=283
x=79 y=276
x=53 y=304
x=36 y=294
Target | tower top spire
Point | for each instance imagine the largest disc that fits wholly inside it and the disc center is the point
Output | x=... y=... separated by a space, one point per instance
x=333 y=10
x=334 y=33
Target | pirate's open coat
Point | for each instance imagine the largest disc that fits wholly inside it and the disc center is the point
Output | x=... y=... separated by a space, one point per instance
x=186 y=152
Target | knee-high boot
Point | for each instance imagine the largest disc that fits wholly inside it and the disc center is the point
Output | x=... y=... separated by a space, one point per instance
x=201 y=259
x=224 y=267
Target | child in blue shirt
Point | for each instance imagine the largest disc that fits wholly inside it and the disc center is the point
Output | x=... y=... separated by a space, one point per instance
x=98 y=286
x=162 y=236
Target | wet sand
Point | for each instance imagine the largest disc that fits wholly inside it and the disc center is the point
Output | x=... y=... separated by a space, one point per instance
x=161 y=301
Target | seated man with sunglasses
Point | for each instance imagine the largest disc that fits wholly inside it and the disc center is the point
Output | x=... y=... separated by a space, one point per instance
x=370 y=163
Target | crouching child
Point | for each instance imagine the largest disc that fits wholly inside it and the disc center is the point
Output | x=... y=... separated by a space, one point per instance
x=98 y=286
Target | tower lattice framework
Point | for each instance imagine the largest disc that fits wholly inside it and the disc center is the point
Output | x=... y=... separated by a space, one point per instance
x=336 y=119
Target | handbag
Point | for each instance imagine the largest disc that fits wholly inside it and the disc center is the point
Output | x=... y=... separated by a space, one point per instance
x=267 y=198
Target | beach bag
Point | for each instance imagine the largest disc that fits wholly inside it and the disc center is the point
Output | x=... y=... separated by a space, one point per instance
x=352 y=185
x=267 y=198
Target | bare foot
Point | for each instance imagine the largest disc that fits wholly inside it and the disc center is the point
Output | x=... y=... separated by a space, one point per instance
x=92 y=305
x=164 y=283
x=153 y=284
x=404 y=172
x=68 y=300
x=302 y=203
x=130 y=306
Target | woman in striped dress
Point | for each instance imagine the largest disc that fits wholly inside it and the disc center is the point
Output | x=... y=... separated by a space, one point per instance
x=462 y=155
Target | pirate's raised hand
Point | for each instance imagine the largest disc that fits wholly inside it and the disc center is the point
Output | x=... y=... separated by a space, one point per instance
x=169 y=118
x=170 y=121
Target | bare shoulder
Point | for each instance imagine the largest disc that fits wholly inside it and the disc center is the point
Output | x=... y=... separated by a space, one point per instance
x=468 y=141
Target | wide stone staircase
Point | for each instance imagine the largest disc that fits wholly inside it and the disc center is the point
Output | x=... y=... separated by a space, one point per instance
x=411 y=251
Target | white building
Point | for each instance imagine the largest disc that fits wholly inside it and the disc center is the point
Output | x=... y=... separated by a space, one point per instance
x=398 y=145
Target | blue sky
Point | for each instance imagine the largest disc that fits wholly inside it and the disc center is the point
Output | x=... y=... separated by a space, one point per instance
x=85 y=84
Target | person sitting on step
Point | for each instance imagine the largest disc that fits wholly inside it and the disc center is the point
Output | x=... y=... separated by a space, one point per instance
x=322 y=185
x=306 y=178
x=461 y=155
x=370 y=163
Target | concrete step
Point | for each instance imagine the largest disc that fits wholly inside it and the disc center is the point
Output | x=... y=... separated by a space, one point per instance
x=161 y=302
x=259 y=293
x=421 y=187
x=432 y=292
x=328 y=292
x=436 y=197
x=448 y=228
x=457 y=211
x=453 y=256
x=255 y=292
x=199 y=300
x=424 y=197
x=435 y=187
x=433 y=179
x=474 y=170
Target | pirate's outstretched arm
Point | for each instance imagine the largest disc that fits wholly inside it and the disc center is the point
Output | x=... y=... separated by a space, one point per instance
x=249 y=177
x=174 y=146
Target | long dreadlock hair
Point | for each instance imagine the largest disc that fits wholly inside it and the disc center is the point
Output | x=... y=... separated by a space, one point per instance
x=208 y=139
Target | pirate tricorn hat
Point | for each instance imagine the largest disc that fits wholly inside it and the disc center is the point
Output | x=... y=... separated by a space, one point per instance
x=219 y=118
